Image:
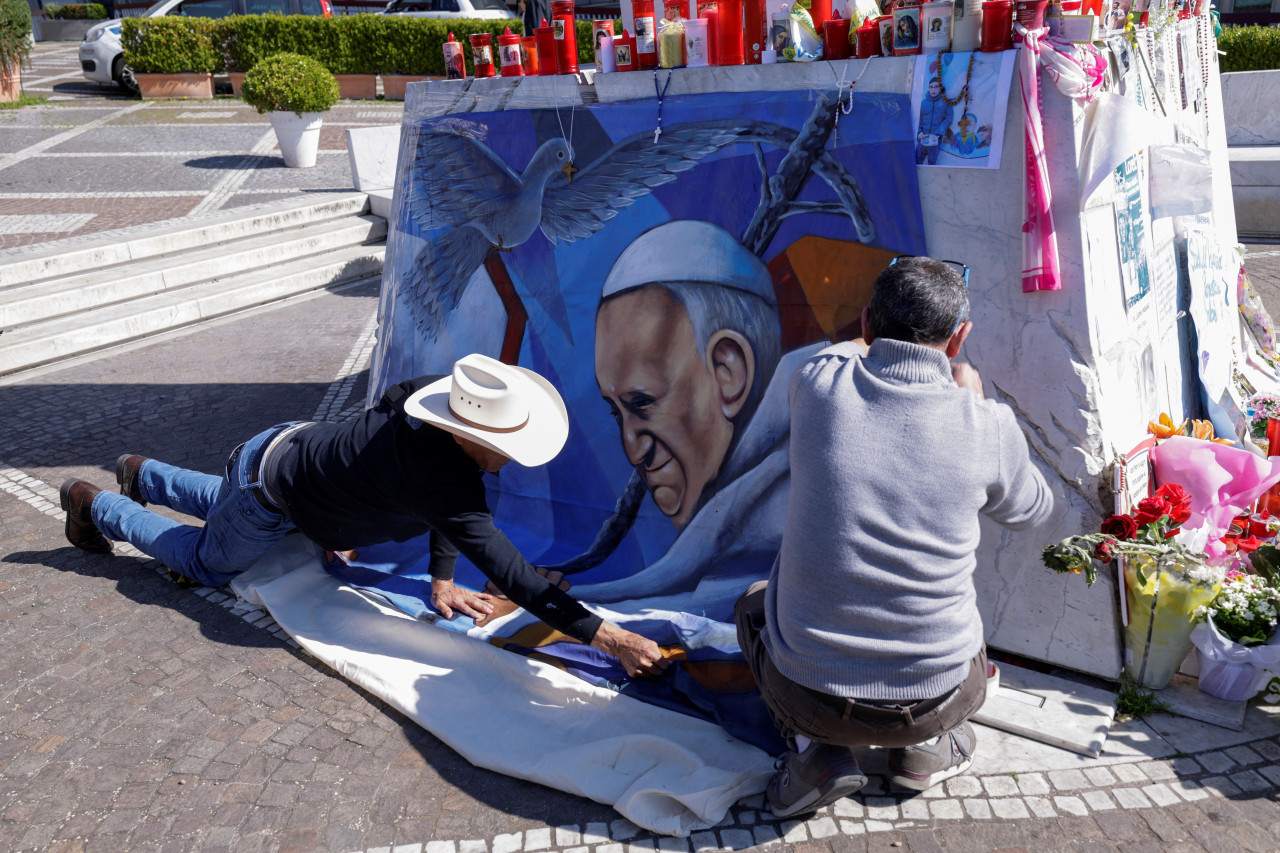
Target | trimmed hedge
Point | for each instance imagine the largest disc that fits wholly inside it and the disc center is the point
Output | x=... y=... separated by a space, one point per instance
x=75 y=12
x=15 y=32
x=1249 y=48
x=289 y=82
x=353 y=44
x=169 y=45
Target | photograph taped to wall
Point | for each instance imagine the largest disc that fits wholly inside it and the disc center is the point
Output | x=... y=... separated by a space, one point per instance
x=960 y=101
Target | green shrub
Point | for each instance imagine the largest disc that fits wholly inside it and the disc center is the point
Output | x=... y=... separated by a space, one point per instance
x=287 y=81
x=359 y=43
x=15 y=32
x=169 y=45
x=75 y=11
x=414 y=45
x=1249 y=48
x=246 y=40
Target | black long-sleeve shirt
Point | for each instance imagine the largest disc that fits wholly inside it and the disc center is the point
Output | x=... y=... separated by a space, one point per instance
x=377 y=479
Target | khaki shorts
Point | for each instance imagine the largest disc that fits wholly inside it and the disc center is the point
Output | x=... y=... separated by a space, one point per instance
x=797 y=709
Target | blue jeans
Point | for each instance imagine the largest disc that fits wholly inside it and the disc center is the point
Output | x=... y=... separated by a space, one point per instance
x=237 y=530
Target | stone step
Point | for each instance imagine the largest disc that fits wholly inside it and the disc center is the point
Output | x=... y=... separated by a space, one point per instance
x=49 y=298
x=89 y=331
x=79 y=255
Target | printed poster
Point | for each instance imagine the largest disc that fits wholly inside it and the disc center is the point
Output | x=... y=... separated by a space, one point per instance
x=959 y=125
x=574 y=242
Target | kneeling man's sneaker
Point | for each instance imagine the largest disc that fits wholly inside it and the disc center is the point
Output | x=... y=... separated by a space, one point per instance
x=807 y=781
x=924 y=765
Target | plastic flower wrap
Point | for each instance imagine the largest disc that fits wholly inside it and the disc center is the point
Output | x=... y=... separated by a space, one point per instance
x=1245 y=610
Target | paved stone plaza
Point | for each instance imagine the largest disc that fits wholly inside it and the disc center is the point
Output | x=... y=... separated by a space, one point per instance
x=139 y=715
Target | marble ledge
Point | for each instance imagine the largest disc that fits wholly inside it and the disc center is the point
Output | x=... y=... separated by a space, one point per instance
x=889 y=74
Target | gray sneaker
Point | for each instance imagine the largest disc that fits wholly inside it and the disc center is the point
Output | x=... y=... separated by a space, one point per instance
x=809 y=780
x=924 y=765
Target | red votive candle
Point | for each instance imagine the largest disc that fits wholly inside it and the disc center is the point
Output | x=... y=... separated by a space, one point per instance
x=646 y=33
x=868 y=39
x=509 y=54
x=624 y=51
x=709 y=11
x=997 y=25
x=529 y=55
x=566 y=35
x=545 y=39
x=755 y=29
x=835 y=37
x=820 y=12
x=1029 y=13
x=455 y=66
x=482 y=54
x=729 y=43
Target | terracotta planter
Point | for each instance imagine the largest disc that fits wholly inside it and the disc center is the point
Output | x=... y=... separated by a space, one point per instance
x=393 y=85
x=175 y=85
x=237 y=81
x=10 y=84
x=357 y=87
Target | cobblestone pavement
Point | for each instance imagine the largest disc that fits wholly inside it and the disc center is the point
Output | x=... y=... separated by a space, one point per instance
x=138 y=715
x=93 y=160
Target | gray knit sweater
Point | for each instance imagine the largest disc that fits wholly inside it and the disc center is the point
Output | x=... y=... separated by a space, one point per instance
x=891 y=463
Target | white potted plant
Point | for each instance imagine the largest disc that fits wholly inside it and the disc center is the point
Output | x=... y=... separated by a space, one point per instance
x=295 y=91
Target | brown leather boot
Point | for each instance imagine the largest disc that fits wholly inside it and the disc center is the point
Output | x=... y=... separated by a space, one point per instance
x=77 y=496
x=127 y=467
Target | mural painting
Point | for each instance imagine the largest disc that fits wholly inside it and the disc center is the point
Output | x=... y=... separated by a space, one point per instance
x=667 y=266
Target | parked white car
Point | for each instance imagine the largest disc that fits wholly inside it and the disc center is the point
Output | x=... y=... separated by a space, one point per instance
x=488 y=9
x=102 y=57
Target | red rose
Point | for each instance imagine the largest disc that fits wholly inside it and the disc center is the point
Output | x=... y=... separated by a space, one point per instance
x=1179 y=501
x=1120 y=526
x=1104 y=551
x=1151 y=509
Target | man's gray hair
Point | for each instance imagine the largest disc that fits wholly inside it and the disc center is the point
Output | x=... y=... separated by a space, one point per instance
x=918 y=300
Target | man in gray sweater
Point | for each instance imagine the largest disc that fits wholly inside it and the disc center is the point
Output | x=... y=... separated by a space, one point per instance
x=867 y=632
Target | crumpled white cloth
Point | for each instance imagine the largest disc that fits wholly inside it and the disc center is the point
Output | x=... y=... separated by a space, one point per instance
x=662 y=770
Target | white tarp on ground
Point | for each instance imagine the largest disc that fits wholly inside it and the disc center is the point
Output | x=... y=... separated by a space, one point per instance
x=662 y=770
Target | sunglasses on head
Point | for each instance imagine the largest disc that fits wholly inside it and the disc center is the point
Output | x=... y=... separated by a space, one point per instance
x=963 y=272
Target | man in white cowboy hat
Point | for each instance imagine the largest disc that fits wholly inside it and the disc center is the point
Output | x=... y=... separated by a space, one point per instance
x=410 y=465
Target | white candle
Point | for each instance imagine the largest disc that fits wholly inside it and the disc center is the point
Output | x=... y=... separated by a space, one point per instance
x=695 y=42
x=608 y=62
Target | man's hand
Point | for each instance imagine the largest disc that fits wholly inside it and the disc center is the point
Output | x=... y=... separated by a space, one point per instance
x=638 y=655
x=447 y=598
x=344 y=556
x=967 y=377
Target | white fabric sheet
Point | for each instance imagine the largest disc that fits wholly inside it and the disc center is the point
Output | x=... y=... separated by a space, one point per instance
x=662 y=770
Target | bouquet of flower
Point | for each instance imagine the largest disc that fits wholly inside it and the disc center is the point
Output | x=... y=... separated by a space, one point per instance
x=1245 y=610
x=1262 y=407
x=1148 y=532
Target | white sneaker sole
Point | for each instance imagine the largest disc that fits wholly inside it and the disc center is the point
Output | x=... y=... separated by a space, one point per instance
x=934 y=778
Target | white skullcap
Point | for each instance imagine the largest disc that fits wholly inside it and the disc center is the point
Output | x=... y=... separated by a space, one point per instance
x=691 y=252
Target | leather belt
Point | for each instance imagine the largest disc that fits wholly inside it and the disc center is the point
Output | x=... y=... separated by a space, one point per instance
x=261 y=493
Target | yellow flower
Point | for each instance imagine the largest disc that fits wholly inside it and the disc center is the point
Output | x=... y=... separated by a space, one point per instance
x=1164 y=427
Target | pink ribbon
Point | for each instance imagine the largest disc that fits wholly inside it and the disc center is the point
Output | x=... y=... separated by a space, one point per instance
x=1076 y=75
x=1039 y=242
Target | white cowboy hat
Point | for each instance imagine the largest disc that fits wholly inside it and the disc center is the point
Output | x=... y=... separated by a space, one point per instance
x=506 y=408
